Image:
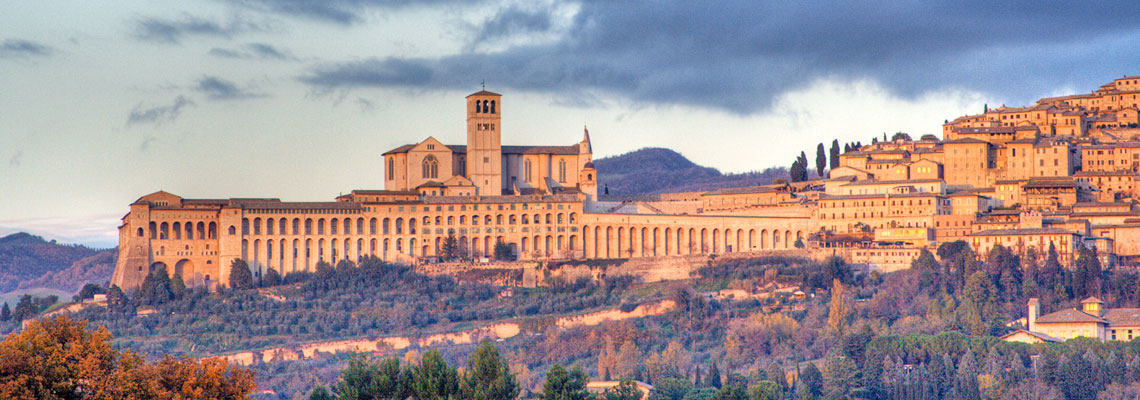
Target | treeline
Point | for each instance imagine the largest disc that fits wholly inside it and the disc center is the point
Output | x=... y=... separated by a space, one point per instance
x=347 y=300
x=487 y=376
x=61 y=358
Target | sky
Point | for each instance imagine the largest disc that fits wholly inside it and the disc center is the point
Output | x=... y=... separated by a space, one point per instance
x=104 y=102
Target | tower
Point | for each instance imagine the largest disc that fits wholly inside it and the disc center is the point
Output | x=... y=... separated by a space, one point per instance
x=484 y=143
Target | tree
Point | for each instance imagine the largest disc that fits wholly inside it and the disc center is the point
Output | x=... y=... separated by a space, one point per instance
x=271 y=278
x=1086 y=278
x=671 y=389
x=363 y=379
x=155 y=288
x=810 y=383
x=449 y=249
x=89 y=291
x=320 y=393
x=433 y=378
x=488 y=377
x=820 y=160
x=900 y=136
x=712 y=379
x=503 y=251
x=563 y=385
x=177 y=286
x=240 y=276
x=833 y=157
x=797 y=171
x=625 y=390
x=5 y=313
x=804 y=163
x=765 y=390
x=25 y=309
x=60 y=358
x=839 y=310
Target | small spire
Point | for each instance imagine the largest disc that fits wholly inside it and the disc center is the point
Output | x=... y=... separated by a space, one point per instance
x=484 y=84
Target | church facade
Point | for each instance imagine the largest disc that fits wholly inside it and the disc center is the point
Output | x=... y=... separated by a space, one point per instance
x=537 y=202
x=485 y=167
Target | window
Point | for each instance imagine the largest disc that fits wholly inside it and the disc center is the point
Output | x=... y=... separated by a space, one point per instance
x=430 y=167
x=391 y=168
x=526 y=171
x=562 y=171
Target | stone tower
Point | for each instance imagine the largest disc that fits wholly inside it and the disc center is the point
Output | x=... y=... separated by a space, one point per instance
x=484 y=143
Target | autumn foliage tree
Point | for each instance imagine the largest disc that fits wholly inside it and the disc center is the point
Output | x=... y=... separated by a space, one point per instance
x=61 y=359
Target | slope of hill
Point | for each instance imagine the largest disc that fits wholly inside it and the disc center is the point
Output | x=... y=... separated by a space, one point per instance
x=25 y=257
x=657 y=170
x=97 y=268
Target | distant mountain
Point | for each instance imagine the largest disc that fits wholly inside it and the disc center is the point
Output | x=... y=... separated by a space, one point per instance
x=653 y=170
x=94 y=269
x=25 y=257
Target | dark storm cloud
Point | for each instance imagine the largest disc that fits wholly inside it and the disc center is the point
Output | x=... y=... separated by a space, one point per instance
x=173 y=31
x=158 y=114
x=262 y=51
x=14 y=48
x=738 y=55
x=220 y=89
x=344 y=12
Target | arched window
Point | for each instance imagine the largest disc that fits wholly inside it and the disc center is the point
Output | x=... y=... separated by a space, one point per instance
x=391 y=168
x=233 y=230
x=431 y=167
x=562 y=171
x=526 y=170
x=492 y=106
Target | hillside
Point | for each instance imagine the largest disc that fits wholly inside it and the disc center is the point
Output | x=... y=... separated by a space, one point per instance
x=657 y=170
x=97 y=268
x=25 y=257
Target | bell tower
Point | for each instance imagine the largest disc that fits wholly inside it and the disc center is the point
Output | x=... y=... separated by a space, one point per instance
x=484 y=143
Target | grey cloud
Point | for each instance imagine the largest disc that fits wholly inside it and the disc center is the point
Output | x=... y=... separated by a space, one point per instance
x=173 y=31
x=16 y=48
x=227 y=53
x=343 y=12
x=158 y=114
x=742 y=54
x=220 y=89
x=514 y=20
x=254 y=51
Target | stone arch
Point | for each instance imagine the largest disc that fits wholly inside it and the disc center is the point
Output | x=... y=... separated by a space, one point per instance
x=201 y=228
x=308 y=254
x=185 y=269
x=609 y=242
x=572 y=244
x=212 y=231
x=775 y=238
x=787 y=235
x=716 y=242
x=156 y=265
x=296 y=244
x=763 y=239
x=372 y=227
x=177 y=228
x=739 y=241
x=751 y=239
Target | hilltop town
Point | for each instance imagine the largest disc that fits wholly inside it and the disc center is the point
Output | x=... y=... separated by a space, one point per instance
x=1054 y=176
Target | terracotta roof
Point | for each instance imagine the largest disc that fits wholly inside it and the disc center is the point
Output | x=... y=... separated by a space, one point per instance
x=1041 y=183
x=965 y=141
x=1021 y=231
x=1069 y=315
x=1038 y=335
x=1122 y=316
x=558 y=198
x=878 y=182
x=301 y=205
x=741 y=190
x=986 y=129
x=458 y=148
x=381 y=192
x=484 y=92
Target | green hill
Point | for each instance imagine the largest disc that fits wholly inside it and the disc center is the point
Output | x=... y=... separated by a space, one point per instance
x=26 y=257
x=655 y=170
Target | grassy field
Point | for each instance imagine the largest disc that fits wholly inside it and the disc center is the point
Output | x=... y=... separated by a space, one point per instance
x=14 y=296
